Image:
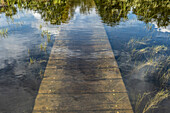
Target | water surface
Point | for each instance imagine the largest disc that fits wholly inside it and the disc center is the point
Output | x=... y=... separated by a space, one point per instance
x=138 y=32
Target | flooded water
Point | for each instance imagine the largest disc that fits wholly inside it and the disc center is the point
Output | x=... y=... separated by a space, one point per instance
x=138 y=31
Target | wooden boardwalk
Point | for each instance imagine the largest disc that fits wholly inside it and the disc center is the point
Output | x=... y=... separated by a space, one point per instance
x=82 y=75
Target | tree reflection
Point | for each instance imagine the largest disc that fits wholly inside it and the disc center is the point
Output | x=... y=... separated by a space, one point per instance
x=153 y=11
x=114 y=11
x=53 y=11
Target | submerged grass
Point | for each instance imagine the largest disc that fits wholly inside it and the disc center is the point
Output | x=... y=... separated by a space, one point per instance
x=154 y=102
x=165 y=78
x=154 y=61
x=145 y=103
x=139 y=101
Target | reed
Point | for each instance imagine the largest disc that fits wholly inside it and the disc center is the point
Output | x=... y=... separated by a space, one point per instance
x=154 y=102
x=146 y=102
x=4 y=33
x=31 y=61
x=40 y=26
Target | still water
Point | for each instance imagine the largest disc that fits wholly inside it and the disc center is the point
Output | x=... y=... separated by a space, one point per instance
x=138 y=31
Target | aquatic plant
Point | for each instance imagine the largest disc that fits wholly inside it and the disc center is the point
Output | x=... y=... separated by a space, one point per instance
x=31 y=60
x=159 y=48
x=41 y=73
x=42 y=34
x=139 y=100
x=149 y=62
x=4 y=33
x=45 y=46
x=40 y=27
x=147 y=101
x=140 y=48
x=149 y=26
x=165 y=78
x=28 y=51
x=41 y=61
x=154 y=62
x=154 y=102
x=48 y=37
x=41 y=46
x=138 y=42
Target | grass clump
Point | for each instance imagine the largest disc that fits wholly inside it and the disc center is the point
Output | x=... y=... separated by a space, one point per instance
x=159 y=48
x=165 y=78
x=145 y=103
x=4 y=33
x=154 y=102
x=40 y=26
x=48 y=37
x=43 y=46
x=139 y=101
x=31 y=61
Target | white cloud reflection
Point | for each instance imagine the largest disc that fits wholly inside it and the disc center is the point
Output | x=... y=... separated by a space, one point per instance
x=46 y=26
x=162 y=29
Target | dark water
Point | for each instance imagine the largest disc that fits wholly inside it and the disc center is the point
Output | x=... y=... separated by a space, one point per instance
x=138 y=31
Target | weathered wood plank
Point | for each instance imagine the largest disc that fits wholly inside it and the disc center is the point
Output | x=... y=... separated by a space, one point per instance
x=98 y=101
x=82 y=75
x=93 y=86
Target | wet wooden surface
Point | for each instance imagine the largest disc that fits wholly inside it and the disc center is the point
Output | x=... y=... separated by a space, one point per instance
x=82 y=75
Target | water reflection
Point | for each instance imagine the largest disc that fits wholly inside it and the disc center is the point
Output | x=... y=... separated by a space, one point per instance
x=138 y=35
x=53 y=11
x=140 y=40
x=113 y=12
x=32 y=26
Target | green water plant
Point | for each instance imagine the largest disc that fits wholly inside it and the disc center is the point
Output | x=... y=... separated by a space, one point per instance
x=40 y=27
x=154 y=102
x=139 y=100
x=159 y=48
x=31 y=61
x=146 y=102
x=48 y=37
x=42 y=34
x=43 y=46
x=28 y=51
x=165 y=78
x=4 y=33
x=41 y=73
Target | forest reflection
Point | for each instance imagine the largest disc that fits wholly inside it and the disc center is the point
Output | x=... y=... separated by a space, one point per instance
x=53 y=11
x=112 y=12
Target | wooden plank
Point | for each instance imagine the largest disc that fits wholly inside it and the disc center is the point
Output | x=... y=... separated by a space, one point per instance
x=82 y=75
x=82 y=86
x=98 y=101
x=85 y=74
